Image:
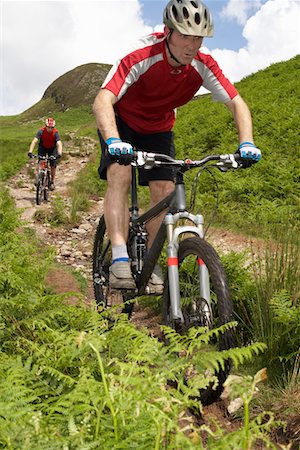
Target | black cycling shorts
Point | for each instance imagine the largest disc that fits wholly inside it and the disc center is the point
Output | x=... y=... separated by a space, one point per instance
x=50 y=152
x=156 y=143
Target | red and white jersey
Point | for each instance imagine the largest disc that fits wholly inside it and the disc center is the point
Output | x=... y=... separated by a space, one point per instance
x=149 y=89
x=47 y=139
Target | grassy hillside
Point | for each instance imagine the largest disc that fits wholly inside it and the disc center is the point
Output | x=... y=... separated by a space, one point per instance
x=252 y=200
x=76 y=88
x=269 y=192
x=17 y=133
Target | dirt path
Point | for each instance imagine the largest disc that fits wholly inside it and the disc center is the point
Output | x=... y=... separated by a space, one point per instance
x=73 y=244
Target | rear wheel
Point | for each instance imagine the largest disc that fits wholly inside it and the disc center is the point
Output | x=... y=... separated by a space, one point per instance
x=101 y=263
x=39 y=188
x=102 y=256
x=196 y=309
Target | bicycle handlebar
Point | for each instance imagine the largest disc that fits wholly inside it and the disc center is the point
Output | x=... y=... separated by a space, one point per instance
x=51 y=157
x=148 y=160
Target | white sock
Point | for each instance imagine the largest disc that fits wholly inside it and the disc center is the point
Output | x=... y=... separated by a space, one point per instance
x=119 y=253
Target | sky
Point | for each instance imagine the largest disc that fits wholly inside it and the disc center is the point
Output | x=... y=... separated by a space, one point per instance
x=42 y=40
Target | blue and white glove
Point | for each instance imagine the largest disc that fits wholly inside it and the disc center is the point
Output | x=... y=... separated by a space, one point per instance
x=249 y=153
x=121 y=152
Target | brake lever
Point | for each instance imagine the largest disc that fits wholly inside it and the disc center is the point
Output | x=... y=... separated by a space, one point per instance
x=145 y=160
x=229 y=162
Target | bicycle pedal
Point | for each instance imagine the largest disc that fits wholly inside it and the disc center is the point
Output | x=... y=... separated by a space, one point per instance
x=154 y=289
x=123 y=290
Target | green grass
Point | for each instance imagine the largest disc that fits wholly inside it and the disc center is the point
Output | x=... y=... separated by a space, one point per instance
x=266 y=297
x=256 y=199
x=17 y=133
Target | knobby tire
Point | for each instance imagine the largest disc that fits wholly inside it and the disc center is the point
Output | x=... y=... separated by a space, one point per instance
x=189 y=250
x=102 y=256
x=101 y=263
x=39 y=189
x=46 y=187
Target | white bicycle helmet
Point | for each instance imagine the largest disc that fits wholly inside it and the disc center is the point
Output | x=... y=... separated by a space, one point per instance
x=190 y=17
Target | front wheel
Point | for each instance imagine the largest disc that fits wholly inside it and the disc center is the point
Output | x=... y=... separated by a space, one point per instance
x=198 y=310
x=46 y=187
x=39 y=189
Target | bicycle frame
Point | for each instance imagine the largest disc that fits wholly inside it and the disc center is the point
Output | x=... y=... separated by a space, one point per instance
x=44 y=167
x=143 y=260
x=176 y=203
x=43 y=177
x=43 y=163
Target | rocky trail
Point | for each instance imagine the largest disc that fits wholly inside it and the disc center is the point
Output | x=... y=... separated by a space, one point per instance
x=73 y=244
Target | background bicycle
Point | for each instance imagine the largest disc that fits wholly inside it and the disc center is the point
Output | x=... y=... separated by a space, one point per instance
x=196 y=292
x=43 y=179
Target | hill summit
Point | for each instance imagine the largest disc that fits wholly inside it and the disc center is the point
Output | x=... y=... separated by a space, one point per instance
x=78 y=86
x=75 y=88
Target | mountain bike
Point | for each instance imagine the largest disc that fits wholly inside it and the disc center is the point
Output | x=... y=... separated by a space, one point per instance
x=43 y=179
x=196 y=291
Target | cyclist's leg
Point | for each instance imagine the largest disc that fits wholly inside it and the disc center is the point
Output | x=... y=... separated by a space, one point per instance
x=116 y=203
x=53 y=164
x=161 y=184
x=159 y=189
x=105 y=296
x=116 y=215
x=159 y=180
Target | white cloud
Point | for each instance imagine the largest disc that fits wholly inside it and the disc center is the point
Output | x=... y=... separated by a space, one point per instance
x=240 y=10
x=42 y=40
x=104 y=30
x=32 y=50
x=272 y=35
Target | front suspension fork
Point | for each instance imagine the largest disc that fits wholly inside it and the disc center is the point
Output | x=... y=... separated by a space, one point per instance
x=173 y=234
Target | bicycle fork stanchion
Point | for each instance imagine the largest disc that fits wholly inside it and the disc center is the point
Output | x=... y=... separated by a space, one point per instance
x=204 y=280
x=173 y=275
x=172 y=259
x=205 y=290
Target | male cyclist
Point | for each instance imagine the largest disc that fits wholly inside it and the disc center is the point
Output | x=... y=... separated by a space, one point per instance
x=136 y=108
x=49 y=144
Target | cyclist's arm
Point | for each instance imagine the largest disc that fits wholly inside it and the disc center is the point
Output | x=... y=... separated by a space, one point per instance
x=103 y=108
x=59 y=147
x=32 y=145
x=242 y=118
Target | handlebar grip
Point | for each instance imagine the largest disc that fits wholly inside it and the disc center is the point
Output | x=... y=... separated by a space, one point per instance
x=244 y=163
